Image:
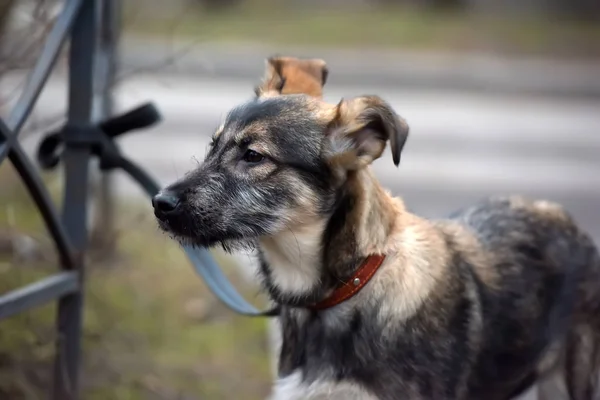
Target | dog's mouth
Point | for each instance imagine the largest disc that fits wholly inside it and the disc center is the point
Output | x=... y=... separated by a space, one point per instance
x=181 y=233
x=203 y=221
x=186 y=232
x=176 y=219
x=194 y=235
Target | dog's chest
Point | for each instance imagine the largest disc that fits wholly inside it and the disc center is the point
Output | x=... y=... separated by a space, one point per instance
x=292 y=387
x=351 y=355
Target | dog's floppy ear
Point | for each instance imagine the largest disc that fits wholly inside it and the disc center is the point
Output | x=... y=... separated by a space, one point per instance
x=360 y=129
x=290 y=75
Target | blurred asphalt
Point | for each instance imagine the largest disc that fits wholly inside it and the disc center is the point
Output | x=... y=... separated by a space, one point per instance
x=462 y=146
x=375 y=68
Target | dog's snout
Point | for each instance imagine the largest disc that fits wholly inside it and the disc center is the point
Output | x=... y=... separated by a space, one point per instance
x=164 y=203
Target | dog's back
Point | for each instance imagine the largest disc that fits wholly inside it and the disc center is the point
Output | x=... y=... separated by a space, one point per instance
x=544 y=270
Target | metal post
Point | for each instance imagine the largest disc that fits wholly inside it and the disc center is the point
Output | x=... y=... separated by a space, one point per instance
x=102 y=238
x=74 y=213
x=6 y=9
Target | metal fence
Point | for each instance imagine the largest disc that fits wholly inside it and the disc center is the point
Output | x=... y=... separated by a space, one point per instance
x=88 y=24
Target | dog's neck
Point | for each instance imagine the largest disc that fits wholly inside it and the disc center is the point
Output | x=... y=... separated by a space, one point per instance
x=304 y=264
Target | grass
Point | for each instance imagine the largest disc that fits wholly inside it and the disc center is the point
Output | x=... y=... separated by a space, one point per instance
x=270 y=22
x=151 y=331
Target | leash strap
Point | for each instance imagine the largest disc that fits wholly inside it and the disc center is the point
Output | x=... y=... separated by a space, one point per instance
x=207 y=268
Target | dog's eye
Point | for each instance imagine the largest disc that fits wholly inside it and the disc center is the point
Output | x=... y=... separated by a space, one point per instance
x=251 y=156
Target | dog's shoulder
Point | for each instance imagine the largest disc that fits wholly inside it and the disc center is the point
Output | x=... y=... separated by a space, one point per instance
x=508 y=230
x=515 y=244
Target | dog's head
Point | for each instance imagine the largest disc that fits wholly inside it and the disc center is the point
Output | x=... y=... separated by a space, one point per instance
x=277 y=163
x=290 y=75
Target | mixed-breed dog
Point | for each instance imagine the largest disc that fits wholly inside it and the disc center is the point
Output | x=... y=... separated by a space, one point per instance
x=376 y=302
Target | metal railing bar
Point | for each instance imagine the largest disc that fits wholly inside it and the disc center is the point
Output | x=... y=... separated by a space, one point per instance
x=38 y=293
x=43 y=67
x=6 y=140
x=81 y=113
x=42 y=199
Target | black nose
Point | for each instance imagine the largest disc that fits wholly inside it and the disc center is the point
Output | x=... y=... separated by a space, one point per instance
x=164 y=203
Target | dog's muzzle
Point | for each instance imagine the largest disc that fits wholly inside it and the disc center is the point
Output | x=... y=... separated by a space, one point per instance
x=166 y=205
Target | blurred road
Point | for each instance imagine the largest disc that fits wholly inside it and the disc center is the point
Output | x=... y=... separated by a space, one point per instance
x=462 y=146
x=375 y=67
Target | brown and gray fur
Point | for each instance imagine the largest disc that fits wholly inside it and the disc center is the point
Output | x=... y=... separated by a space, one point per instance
x=480 y=305
x=291 y=75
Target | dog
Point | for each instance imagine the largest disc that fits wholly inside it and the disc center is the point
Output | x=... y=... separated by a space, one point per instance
x=291 y=75
x=374 y=301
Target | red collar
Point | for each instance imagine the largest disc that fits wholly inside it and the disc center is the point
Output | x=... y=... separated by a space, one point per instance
x=352 y=285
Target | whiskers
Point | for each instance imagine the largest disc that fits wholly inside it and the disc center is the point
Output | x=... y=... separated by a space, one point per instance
x=239 y=245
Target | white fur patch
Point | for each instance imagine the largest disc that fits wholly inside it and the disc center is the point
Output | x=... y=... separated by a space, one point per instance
x=292 y=388
x=294 y=256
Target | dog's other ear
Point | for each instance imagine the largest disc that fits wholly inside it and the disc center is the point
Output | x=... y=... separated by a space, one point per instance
x=289 y=75
x=360 y=129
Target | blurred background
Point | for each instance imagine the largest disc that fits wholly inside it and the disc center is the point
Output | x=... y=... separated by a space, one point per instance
x=501 y=96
